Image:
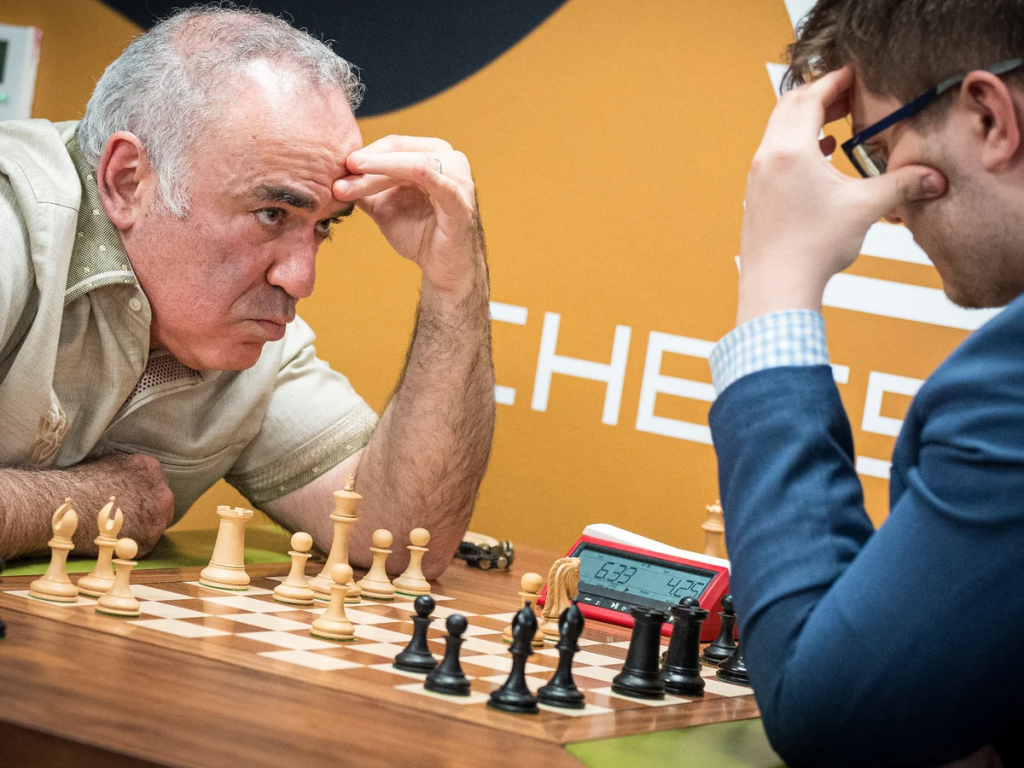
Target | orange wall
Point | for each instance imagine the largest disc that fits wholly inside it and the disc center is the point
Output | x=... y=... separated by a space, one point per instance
x=610 y=148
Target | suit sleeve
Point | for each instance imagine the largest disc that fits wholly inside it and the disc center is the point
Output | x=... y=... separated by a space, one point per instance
x=888 y=647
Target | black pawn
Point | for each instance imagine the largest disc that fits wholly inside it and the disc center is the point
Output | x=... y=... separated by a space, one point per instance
x=417 y=656
x=561 y=690
x=734 y=670
x=682 y=663
x=514 y=695
x=724 y=645
x=641 y=676
x=448 y=676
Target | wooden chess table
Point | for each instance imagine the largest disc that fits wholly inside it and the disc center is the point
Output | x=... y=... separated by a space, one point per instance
x=207 y=678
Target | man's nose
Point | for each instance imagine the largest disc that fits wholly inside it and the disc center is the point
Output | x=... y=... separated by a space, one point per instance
x=295 y=270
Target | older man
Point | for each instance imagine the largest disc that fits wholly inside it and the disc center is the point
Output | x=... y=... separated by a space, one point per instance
x=153 y=255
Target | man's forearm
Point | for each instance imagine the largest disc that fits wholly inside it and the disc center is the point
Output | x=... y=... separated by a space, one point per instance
x=28 y=499
x=424 y=464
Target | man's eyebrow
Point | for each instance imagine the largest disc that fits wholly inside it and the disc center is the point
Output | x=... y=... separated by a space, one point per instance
x=278 y=193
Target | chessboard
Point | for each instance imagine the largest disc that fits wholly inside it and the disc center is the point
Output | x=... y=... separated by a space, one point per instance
x=250 y=629
x=206 y=677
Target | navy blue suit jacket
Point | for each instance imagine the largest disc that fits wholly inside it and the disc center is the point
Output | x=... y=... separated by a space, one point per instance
x=902 y=646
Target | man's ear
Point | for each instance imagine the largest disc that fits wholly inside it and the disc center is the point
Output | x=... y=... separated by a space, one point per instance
x=126 y=180
x=995 y=119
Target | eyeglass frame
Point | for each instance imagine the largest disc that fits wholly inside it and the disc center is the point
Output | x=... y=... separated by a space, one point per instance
x=912 y=108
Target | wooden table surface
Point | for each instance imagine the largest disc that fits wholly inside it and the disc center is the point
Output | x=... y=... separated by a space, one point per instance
x=72 y=695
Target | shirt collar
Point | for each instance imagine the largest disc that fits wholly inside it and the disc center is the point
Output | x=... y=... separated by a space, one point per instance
x=98 y=257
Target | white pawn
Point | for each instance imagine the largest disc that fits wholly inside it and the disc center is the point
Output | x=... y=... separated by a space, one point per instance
x=54 y=585
x=412 y=582
x=295 y=590
x=375 y=584
x=531 y=584
x=334 y=624
x=120 y=601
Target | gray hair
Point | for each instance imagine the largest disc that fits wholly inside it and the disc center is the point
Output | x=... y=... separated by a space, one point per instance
x=171 y=81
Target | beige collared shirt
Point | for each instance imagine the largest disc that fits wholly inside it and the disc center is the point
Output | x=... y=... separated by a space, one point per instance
x=77 y=378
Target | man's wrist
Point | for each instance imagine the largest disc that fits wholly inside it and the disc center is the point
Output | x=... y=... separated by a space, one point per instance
x=762 y=295
x=469 y=296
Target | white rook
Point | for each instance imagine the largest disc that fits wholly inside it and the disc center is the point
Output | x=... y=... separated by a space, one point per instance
x=549 y=363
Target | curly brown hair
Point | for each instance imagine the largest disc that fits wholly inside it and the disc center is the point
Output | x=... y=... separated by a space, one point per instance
x=902 y=48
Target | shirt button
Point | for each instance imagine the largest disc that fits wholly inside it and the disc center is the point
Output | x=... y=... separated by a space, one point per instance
x=134 y=305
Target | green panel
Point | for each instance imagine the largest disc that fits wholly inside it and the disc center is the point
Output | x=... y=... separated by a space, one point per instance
x=180 y=549
x=740 y=744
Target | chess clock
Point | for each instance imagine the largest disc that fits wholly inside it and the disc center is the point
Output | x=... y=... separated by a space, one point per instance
x=617 y=574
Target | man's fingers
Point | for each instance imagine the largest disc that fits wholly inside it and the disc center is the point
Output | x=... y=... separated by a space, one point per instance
x=399 y=165
x=910 y=184
x=838 y=109
x=828 y=89
x=354 y=187
x=802 y=113
x=405 y=144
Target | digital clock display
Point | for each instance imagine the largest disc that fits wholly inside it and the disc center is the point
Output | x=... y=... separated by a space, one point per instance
x=638 y=579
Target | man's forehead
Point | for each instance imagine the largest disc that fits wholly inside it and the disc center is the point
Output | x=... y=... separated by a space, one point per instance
x=867 y=108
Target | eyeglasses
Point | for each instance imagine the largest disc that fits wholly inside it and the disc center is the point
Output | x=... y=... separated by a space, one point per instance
x=867 y=160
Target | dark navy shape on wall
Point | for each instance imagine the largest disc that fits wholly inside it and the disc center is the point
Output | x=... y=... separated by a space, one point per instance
x=406 y=50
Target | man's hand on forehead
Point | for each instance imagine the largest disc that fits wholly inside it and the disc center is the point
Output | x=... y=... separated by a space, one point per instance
x=420 y=192
x=804 y=220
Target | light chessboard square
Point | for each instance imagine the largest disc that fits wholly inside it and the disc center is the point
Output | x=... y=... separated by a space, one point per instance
x=380 y=635
x=475 y=697
x=311 y=660
x=588 y=710
x=249 y=604
x=725 y=689
x=668 y=701
x=143 y=592
x=596 y=673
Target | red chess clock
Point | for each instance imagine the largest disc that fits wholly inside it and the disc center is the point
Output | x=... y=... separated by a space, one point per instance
x=615 y=576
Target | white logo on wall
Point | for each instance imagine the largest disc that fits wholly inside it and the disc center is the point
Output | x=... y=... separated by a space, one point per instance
x=874 y=296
